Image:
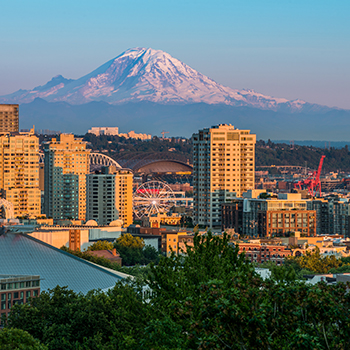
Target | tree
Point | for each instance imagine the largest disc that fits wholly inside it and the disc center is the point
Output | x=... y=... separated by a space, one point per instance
x=210 y=298
x=63 y=319
x=13 y=338
x=101 y=245
x=130 y=249
x=186 y=221
x=127 y=240
x=313 y=260
x=176 y=283
x=150 y=254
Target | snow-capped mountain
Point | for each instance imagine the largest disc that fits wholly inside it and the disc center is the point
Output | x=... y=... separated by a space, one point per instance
x=142 y=74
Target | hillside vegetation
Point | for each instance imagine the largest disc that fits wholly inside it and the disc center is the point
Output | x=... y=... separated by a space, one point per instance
x=269 y=153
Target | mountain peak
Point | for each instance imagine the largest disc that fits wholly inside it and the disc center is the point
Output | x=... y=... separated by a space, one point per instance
x=146 y=74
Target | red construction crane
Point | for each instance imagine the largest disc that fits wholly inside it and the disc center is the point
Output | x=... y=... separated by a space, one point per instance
x=313 y=182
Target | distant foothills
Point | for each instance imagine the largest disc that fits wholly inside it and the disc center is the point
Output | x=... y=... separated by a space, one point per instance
x=155 y=91
x=267 y=153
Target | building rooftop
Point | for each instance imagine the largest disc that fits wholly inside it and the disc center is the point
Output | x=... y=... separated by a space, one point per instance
x=3 y=277
x=21 y=254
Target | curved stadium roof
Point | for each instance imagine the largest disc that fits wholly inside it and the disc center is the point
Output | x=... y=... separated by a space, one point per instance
x=21 y=254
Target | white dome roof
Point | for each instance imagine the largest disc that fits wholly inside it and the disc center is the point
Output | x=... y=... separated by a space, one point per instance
x=91 y=223
x=116 y=223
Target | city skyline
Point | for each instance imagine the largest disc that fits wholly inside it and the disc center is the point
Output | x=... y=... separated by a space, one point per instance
x=287 y=50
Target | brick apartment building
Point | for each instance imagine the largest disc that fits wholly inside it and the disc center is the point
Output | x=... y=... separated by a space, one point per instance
x=257 y=252
x=17 y=289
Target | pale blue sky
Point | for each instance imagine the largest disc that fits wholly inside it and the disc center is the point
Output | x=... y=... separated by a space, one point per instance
x=292 y=49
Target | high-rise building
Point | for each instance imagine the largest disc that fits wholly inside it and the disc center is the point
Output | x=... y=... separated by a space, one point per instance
x=19 y=172
x=66 y=165
x=109 y=196
x=223 y=167
x=8 y=118
x=101 y=205
x=123 y=194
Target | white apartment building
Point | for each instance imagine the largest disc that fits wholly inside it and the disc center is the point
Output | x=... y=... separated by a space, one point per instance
x=104 y=130
x=223 y=167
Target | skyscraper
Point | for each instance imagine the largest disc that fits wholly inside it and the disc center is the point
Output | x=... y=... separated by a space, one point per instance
x=66 y=166
x=101 y=205
x=8 y=118
x=19 y=172
x=123 y=194
x=109 y=196
x=223 y=167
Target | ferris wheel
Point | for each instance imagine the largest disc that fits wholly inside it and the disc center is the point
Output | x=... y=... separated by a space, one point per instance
x=153 y=197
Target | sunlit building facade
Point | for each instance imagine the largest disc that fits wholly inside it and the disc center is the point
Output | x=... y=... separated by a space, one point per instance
x=223 y=167
x=19 y=172
x=8 y=118
x=66 y=166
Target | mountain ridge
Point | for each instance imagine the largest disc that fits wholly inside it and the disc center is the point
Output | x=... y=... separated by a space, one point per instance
x=184 y=119
x=144 y=74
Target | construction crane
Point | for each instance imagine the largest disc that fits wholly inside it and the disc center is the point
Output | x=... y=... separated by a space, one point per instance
x=164 y=132
x=313 y=182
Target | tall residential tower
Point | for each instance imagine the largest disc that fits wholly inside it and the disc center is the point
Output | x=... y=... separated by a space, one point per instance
x=223 y=167
x=8 y=118
x=66 y=166
x=19 y=172
x=109 y=196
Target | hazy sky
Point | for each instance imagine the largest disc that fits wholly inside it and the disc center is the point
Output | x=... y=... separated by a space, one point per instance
x=292 y=49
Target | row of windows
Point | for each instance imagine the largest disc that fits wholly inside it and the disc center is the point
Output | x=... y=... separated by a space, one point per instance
x=18 y=285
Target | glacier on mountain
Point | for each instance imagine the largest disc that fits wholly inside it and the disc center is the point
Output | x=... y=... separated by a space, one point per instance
x=144 y=74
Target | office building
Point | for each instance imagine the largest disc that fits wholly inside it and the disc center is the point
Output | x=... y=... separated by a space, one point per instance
x=109 y=196
x=19 y=172
x=333 y=215
x=223 y=167
x=66 y=165
x=8 y=118
x=269 y=217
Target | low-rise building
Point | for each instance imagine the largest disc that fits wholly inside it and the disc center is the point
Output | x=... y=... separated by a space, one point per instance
x=161 y=219
x=176 y=241
x=260 y=252
x=110 y=254
x=17 y=289
x=104 y=130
